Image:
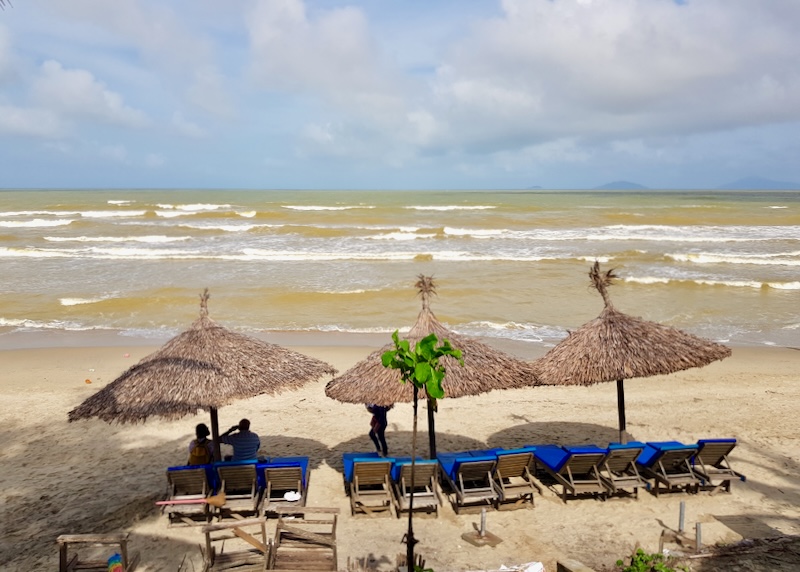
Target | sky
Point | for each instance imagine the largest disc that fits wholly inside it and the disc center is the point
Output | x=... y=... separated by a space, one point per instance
x=397 y=94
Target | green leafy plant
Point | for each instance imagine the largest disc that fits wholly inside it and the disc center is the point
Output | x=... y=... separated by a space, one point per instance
x=641 y=561
x=419 y=366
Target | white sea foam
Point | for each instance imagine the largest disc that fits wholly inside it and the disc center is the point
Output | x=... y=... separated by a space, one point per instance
x=111 y=214
x=400 y=236
x=475 y=233
x=756 y=259
x=39 y=213
x=79 y=301
x=227 y=227
x=35 y=223
x=194 y=208
x=172 y=214
x=758 y=285
x=247 y=214
x=120 y=202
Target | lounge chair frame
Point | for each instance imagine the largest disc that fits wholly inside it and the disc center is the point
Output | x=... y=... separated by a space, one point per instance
x=472 y=484
x=424 y=485
x=712 y=466
x=580 y=474
x=187 y=484
x=279 y=481
x=242 y=492
x=370 y=489
x=619 y=472
x=254 y=555
x=672 y=471
x=514 y=481
x=305 y=544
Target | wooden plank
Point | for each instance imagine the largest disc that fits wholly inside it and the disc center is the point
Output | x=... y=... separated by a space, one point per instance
x=312 y=536
x=250 y=539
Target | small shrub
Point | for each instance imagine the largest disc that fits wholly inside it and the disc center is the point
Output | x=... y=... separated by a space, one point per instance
x=644 y=562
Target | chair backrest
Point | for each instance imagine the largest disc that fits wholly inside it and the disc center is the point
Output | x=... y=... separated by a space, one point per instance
x=513 y=464
x=188 y=481
x=621 y=457
x=424 y=471
x=238 y=478
x=475 y=469
x=371 y=472
x=714 y=451
x=284 y=478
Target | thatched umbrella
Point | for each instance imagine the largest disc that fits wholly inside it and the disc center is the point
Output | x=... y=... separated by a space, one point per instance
x=205 y=367
x=485 y=368
x=615 y=347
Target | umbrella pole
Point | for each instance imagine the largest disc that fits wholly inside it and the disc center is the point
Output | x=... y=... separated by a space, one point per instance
x=215 y=433
x=621 y=408
x=431 y=431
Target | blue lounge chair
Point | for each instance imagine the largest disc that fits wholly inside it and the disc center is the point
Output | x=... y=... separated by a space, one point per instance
x=368 y=482
x=186 y=484
x=668 y=463
x=618 y=469
x=576 y=469
x=513 y=478
x=711 y=463
x=239 y=481
x=424 y=485
x=285 y=483
x=469 y=478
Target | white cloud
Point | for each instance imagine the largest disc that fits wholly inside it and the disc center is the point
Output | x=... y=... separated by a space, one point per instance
x=154 y=160
x=186 y=127
x=114 y=152
x=77 y=92
x=32 y=122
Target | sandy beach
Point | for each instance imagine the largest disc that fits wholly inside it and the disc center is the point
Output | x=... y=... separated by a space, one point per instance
x=92 y=477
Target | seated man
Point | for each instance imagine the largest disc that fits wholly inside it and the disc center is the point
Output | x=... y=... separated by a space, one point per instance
x=245 y=443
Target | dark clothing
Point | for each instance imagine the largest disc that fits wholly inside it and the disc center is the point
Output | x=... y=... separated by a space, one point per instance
x=377 y=430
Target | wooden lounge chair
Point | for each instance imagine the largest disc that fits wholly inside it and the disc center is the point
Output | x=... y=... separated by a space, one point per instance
x=307 y=543
x=618 y=469
x=184 y=485
x=668 y=463
x=69 y=559
x=469 y=478
x=576 y=469
x=512 y=476
x=426 y=492
x=368 y=480
x=239 y=482
x=241 y=545
x=285 y=484
x=711 y=463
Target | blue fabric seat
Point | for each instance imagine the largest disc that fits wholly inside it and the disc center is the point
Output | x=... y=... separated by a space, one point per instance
x=469 y=477
x=668 y=463
x=575 y=468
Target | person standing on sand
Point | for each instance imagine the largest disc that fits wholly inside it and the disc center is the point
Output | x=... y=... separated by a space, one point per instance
x=245 y=443
x=377 y=426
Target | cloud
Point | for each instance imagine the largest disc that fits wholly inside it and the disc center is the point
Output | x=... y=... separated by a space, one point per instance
x=76 y=92
x=30 y=122
x=186 y=127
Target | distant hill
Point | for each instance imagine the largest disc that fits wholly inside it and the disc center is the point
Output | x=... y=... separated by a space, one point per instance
x=759 y=183
x=620 y=186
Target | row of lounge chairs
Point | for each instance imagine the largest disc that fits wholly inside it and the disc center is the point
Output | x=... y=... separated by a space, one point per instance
x=661 y=466
x=250 y=488
x=501 y=478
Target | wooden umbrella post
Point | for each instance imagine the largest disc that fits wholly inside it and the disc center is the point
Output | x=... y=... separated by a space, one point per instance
x=621 y=408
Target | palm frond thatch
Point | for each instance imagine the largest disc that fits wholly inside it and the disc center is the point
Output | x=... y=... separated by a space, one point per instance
x=485 y=368
x=205 y=367
x=615 y=346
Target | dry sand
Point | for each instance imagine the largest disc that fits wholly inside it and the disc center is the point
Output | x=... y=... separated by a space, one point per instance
x=92 y=477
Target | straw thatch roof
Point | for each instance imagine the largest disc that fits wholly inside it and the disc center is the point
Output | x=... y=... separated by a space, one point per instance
x=615 y=346
x=205 y=367
x=485 y=368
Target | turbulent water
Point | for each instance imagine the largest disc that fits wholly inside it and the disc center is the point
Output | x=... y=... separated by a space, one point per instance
x=723 y=265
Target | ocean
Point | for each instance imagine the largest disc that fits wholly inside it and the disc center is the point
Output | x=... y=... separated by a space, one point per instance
x=507 y=264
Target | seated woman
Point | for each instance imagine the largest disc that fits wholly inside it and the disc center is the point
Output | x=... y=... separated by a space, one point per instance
x=201 y=449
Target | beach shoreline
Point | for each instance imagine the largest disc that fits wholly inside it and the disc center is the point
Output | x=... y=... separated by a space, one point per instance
x=94 y=477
